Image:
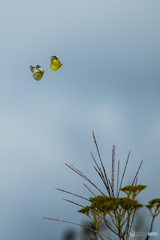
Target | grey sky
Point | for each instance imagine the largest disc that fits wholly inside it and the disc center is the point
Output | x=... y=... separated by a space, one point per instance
x=109 y=83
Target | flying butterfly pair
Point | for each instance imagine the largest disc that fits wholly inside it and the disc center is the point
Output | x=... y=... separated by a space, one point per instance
x=38 y=71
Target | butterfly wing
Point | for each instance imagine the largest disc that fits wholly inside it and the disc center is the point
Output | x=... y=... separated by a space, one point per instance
x=38 y=72
x=55 y=63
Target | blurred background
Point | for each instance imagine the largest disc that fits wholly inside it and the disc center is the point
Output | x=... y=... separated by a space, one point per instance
x=109 y=83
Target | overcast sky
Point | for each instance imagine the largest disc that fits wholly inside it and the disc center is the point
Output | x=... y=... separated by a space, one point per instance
x=109 y=83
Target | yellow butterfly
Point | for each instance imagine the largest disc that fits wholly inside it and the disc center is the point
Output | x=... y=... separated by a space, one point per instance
x=38 y=72
x=55 y=63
